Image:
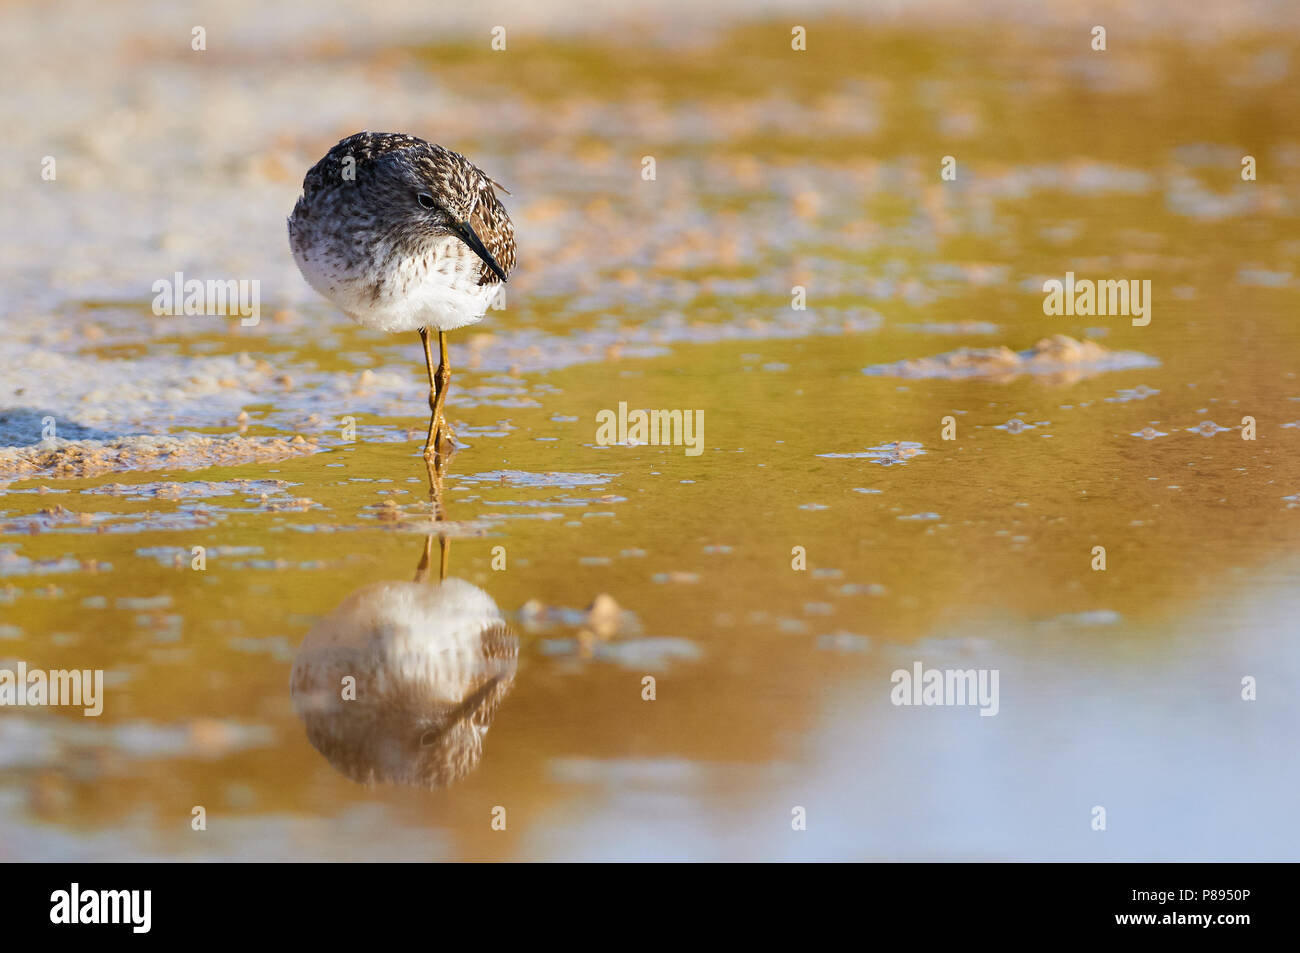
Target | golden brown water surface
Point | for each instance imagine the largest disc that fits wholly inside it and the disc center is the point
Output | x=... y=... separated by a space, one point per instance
x=773 y=169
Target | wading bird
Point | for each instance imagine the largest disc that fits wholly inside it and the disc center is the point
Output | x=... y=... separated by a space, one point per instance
x=404 y=235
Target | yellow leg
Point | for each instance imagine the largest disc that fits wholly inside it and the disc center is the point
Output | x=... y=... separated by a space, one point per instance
x=429 y=444
x=440 y=435
x=441 y=380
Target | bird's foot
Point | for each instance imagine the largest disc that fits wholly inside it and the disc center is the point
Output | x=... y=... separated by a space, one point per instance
x=442 y=441
x=445 y=435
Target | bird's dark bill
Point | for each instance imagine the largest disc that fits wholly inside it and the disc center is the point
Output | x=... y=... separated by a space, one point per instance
x=465 y=232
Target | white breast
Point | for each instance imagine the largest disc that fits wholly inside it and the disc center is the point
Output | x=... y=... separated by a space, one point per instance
x=438 y=290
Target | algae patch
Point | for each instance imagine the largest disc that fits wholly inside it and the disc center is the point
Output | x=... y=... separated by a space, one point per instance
x=80 y=458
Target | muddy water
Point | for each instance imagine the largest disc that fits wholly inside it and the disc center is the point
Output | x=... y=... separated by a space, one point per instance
x=825 y=537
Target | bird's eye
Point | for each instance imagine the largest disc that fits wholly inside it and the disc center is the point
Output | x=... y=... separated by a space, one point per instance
x=426 y=200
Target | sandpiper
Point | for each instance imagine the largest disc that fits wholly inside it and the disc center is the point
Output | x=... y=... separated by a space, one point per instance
x=404 y=235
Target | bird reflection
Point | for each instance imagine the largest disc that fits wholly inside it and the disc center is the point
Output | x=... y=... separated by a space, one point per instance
x=400 y=683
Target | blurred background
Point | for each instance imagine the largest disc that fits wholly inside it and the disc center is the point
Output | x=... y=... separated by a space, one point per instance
x=773 y=168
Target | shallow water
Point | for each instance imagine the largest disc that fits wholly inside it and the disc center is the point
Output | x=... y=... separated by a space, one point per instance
x=1119 y=688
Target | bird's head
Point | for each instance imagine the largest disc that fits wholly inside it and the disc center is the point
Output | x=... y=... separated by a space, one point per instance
x=434 y=193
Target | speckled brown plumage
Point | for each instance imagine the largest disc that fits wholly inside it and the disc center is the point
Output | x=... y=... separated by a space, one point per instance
x=457 y=182
x=364 y=237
